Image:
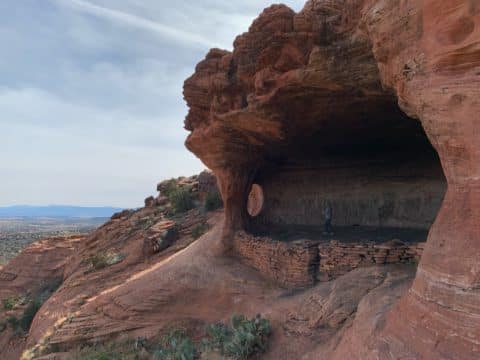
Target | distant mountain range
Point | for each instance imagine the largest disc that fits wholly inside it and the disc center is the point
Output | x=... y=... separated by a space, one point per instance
x=57 y=211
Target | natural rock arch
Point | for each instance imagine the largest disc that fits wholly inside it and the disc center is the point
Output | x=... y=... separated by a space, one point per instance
x=293 y=74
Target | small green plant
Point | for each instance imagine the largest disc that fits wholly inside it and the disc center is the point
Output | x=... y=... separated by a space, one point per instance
x=28 y=314
x=148 y=224
x=213 y=201
x=11 y=302
x=241 y=340
x=248 y=337
x=169 y=187
x=104 y=259
x=199 y=230
x=182 y=200
x=176 y=346
x=217 y=336
x=245 y=337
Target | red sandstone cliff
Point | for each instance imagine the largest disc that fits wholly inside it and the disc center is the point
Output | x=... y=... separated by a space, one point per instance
x=336 y=71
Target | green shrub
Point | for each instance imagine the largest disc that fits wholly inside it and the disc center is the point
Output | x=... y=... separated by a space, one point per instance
x=104 y=259
x=199 y=230
x=28 y=314
x=48 y=288
x=97 y=354
x=213 y=201
x=217 y=336
x=244 y=338
x=148 y=224
x=248 y=337
x=10 y=303
x=182 y=200
x=176 y=346
x=169 y=188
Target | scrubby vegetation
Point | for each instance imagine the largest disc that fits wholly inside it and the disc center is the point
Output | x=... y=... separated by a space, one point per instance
x=182 y=200
x=176 y=346
x=180 y=197
x=244 y=338
x=199 y=230
x=10 y=302
x=104 y=259
x=28 y=314
x=240 y=340
x=169 y=188
x=213 y=201
x=128 y=350
x=33 y=303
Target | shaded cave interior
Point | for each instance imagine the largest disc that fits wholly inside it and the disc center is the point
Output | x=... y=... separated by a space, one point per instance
x=379 y=172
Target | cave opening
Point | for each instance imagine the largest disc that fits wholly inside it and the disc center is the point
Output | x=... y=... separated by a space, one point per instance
x=378 y=171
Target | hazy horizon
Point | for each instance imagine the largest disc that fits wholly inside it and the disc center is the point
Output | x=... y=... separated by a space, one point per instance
x=91 y=94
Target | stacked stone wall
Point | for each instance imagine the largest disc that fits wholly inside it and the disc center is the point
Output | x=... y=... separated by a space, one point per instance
x=292 y=264
x=301 y=263
x=337 y=258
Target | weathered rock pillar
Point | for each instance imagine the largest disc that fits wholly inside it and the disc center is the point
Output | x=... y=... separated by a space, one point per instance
x=234 y=185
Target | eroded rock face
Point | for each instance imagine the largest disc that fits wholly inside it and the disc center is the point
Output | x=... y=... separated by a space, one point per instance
x=335 y=76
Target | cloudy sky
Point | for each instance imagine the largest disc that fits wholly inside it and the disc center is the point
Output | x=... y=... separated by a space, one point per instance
x=91 y=94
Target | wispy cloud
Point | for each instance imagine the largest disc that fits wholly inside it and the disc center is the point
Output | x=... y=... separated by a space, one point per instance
x=127 y=19
x=91 y=93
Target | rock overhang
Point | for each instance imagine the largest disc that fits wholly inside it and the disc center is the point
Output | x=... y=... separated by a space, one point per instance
x=330 y=67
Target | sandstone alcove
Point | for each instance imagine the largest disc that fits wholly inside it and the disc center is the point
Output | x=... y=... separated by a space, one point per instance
x=378 y=171
x=309 y=104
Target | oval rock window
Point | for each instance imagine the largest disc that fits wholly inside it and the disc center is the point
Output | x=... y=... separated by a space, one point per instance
x=255 y=200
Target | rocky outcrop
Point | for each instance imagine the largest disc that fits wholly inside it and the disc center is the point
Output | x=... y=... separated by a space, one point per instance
x=337 y=81
x=85 y=266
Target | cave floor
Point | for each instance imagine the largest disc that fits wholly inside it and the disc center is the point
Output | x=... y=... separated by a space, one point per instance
x=345 y=234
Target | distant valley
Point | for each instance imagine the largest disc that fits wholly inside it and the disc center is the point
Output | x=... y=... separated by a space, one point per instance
x=22 y=225
x=66 y=211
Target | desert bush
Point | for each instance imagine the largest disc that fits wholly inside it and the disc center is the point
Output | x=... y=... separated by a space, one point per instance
x=182 y=200
x=169 y=188
x=217 y=336
x=148 y=223
x=176 y=346
x=199 y=230
x=213 y=201
x=33 y=304
x=243 y=339
x=48 y=288
x=248 y=337
x=29 y=314
x=10 y=303
x=104 y=259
